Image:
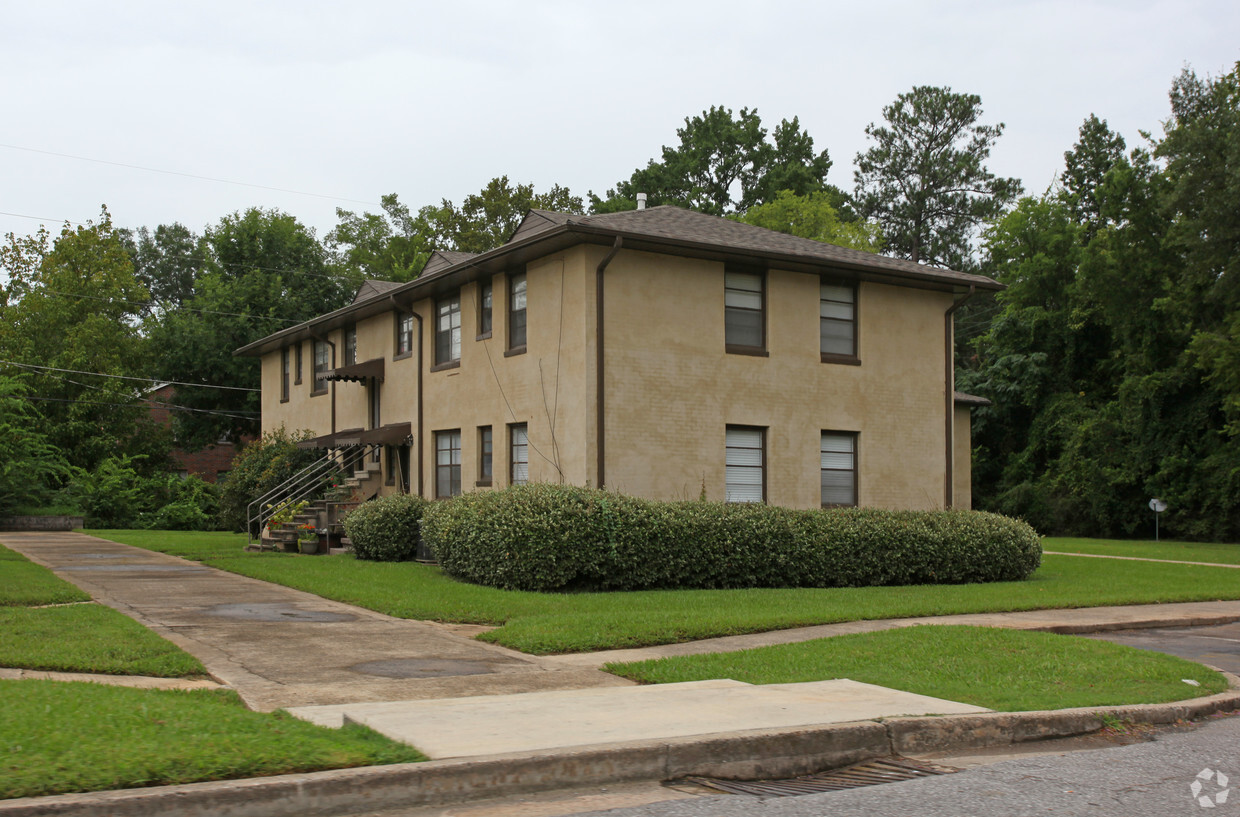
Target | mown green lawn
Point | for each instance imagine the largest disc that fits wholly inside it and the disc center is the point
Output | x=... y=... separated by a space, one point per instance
x=24 y=584
x=541 y=623
x=1175 y=551
x=72 y=737
x=1008 y=670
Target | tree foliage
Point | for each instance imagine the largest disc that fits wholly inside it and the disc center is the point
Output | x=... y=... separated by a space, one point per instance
x=814 y=216
x=29 y=465
x=74 y=304
x=1113 y=360
x=392 y=246
x=724 y=164
x=925 y=179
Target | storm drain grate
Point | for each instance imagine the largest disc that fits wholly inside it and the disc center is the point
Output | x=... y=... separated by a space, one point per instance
x=872 y=773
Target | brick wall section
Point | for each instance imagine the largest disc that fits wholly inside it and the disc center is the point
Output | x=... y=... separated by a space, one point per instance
x=210 y=462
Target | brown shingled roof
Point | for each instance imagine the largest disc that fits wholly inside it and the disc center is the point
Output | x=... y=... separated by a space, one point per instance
x=442 y=259
x=370 y=289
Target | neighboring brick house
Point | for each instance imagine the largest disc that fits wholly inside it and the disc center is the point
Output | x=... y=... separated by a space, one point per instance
x=658 y=352
x=212 y=462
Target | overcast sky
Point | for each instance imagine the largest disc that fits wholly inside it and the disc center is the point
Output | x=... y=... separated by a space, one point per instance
x=351 y=100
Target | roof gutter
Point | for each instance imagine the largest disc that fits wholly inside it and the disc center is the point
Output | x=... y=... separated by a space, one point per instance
x=598 y=358
x=949 y=395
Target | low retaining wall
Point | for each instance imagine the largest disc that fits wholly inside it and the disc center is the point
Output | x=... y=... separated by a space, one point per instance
x=41 y=522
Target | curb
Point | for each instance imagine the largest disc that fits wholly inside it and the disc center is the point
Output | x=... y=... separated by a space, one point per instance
x=1143 y=624
x=752 y=754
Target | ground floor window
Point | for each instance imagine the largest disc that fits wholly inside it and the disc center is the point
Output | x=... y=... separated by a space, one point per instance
x=447 y=464
x=519 y=454
x=745 y=457
x=839 y=468
x=485 y=455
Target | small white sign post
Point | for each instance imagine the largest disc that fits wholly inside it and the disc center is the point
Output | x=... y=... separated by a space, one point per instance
x=1157 y=506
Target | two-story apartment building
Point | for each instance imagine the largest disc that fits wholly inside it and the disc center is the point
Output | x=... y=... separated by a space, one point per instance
x=660 y=352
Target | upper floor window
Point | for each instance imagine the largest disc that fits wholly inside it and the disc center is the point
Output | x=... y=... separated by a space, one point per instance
x=484 y=308
x=297 y=380
x=448 y=330
x=839 y=468
x=837 y=322
x=516 y=311
x=350 y=345
x=321 y=365
x=284 y=371
x=744 y=299
x=745 y=464
x=404 y=334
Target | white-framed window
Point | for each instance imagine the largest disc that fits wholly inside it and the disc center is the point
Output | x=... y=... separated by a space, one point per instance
x=745 y=458
x=350 y=345
x=404 y=334
x=484 y=308
x=448 y=330
x=516 y=311
x=485 y=455
x=518 y=454
x=447 y=463
x=839 y=468
x=322 y=363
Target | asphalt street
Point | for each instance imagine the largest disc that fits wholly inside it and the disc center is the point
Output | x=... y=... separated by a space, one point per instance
x=1151 y=779
x=1218 y=646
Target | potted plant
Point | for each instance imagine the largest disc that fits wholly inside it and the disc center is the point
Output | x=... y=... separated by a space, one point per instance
x=307 y=539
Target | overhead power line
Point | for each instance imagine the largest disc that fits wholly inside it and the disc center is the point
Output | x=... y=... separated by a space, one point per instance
x=168 y=406
x=125 y=377
x=188 y=175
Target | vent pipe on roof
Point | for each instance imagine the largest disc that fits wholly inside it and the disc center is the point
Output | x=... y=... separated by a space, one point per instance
x=641 y=201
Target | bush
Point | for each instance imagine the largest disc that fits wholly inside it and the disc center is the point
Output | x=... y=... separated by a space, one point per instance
x=386 y=529
x=116 y=495
x=552 y=538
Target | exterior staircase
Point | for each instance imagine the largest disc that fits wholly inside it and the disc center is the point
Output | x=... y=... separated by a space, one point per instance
x=330 y=487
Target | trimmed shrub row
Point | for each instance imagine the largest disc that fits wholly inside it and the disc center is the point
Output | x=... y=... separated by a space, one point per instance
x=386 y=529
x=554 y=537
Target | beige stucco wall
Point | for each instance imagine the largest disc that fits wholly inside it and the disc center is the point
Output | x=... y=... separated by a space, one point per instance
x=672 y=389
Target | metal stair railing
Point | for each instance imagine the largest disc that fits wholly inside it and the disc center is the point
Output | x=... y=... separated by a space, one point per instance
x=304 y=483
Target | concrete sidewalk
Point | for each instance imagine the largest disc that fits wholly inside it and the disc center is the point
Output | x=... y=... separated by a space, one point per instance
x=279 y=647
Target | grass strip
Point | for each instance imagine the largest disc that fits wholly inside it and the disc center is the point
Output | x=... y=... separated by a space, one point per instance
x=24 y=583
x=88 y=638
x=1005 y=670
x=545 y=623
x=1175 y=551
x=196 y=545
x=57 y=738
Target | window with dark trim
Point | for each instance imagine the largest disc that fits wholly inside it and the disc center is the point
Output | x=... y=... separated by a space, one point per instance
x=745 y=461
x=484 y=309
x=447 y=464
x=837 y=321
x=321 y=365
x=518 y=454
x=350 y=345
x=486 y=456
x=404 y=334
x=297 y=380
x=448 y=330
x=284 y=367
x=516 y=312
x=744 y=313
x=839 y=468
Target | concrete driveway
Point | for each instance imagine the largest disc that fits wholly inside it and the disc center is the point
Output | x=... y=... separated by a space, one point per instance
x=279 y=647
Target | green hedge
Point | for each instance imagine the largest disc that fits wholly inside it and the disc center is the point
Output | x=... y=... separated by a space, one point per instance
x=386 y=529
x=553 y=537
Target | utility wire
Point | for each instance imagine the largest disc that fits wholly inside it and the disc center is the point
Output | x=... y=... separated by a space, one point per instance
x=188 y=175
x=169 y=406
x=37 y=218
x=124 y=377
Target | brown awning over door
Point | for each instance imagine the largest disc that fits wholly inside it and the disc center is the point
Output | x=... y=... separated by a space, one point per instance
x=393 y=434
x=358 y=372
x=349 y=436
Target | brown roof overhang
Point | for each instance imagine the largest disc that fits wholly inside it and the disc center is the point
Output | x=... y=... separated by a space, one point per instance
x=575 y=231
x=333 y=440
x=358 y=372
x=391 y=434
x=963 y=399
